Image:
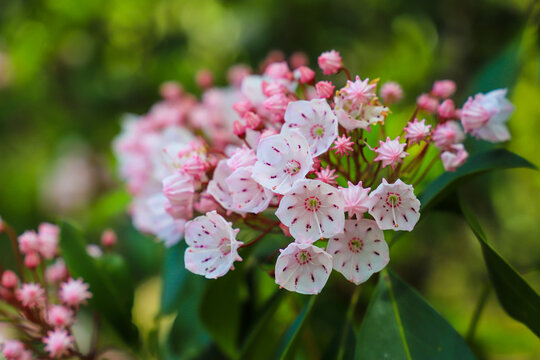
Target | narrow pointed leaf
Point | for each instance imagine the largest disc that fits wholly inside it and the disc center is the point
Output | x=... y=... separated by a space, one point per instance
x=174 y=275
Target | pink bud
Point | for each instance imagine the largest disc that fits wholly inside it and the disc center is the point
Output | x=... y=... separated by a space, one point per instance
x=9 y=279
x=238 y=128
x=237 y=73
x=273 y=88
x=391 y=92
x=325 y=89
x=446 y=109
x=171 y=90
x=204 y=79
x=108 y=238
x=443 y=88
x=252 y=120
x=298 y=59
x=306 y=74
x=279 y=70
x=276 y=104
x=242 y=107
x=31 y=260
x=330 y=62
x=427 y=103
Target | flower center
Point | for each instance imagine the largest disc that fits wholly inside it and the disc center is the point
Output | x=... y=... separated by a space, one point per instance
x=292 y=167
x=317 y=132
x=356 y=245
x=312 y=204
x=225 y=246
x=393 y=199
x=303 y=257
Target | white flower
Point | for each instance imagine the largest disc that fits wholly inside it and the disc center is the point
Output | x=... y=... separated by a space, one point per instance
x=218 y=187
x=312 y=210
x=316 y=122
x=360 y=251
x=213 y=247
x=394 y=206
x=282 y=160
x=303 y=268
x=247 y=195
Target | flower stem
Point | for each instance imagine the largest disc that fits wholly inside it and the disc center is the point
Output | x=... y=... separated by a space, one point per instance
x=349 y=318
x=480 y=304
x=14 y=244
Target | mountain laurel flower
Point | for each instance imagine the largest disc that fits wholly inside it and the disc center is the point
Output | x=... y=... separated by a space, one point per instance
x=242 y=157
x=276 y=104
x=446 y=110
x=416 y=131
x=360 y=251
x=58 y=343
x=247 y=195
x=29 y=242
x=443 y=88
x=59 y=316
x=427 y=103
x=343 y=145
x=74 y=292
x=213 y=247
x=356 y=199
x=282 y=160
x=394 y=206
x=330 y=62
x=48 y=240
x=179 y=190
x=303 y=268
x=359 y=91
x=9 y=279
x=312 y=210
x=12 y=349
x=325 y=89
x=360 y=117
x=454 y=158
x=446 y=134
x=31 y=295
x=305 y=74
x=391 y=92
x=485 y=115
x=316 y=122
x=391 y=152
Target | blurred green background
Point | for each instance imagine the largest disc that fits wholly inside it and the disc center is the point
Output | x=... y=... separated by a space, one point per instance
x=70 y=69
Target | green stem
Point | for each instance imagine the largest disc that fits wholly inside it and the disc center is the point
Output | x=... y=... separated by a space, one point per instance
x=349 y=318
x=480 y=305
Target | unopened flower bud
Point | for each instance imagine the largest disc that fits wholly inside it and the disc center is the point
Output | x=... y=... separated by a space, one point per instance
x=238 y=128
x=242 y=107
x=325 y=89
x=171 y=90
x=252 y=120
x=391 y=93
x=330 y=62
x=446 y=109
x=298 y=59
x=9 y=279
x=204 y=79
x=443 y=88
x=306 y=75
x=278 y=70
x=31 y=260
x=108 y=238
x=427 y=103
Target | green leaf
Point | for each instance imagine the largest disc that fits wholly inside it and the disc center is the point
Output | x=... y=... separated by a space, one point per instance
x=174 y=275
x=516 y=296
x=288 y=339
x=114 y=266
x=108 y=297
x=400 y=324
x=476 y=164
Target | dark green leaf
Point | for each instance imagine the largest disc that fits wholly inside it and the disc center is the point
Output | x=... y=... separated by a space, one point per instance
x=516 y=296
x=288 y=339
x=400 y=324
x=174 y=275
x=116 y=269
x=476 y=164
x=108 y=297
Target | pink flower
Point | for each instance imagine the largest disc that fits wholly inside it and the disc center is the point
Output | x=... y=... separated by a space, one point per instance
x=327 y=175
x=218 y=187
x=273 y=88
x=9 y=279
x=360 y=251
x=13 y=349
x=239 y=129
x=56 y=272
x=32 y=260
x=446 y=110
x=359 y=92
x=282 y=160
x=342 y=145
x=391 y=152
x=108 y=238
x=195 y=166
x=454 y=157
x=237 y=73
x=417 y=131
x=242 y=106
x=391 y=92
x=443 y=88
x=48 y=240
x=204 y=79
x=297 y=59
x=171 y=90
x=253 y=121
x=305 y=74
x=447 y=134
x=427 y=103
x=242 y=157
x=357 y=117
x=28 y=242
x=325 y=89
x=31 y=295
x=485 y=115
x=356 y=199
x=312 y=210
x=58 y=343
x=316 y=122
x=206 y=203
x=330 y=62
x=59 y=316
x=179 y=190
x=74 y=292
x=213 y=247
x=394 y=206
x=279 y=70
x=303 y=268
x=276 y=104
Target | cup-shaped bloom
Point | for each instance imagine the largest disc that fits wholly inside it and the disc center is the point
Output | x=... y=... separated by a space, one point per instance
x=213 y=247
x=312 y=210
x=282 y=160
x=394 y=206
x=247 y=194
x=316 y=122
x=218 y=187
x=179 y=190
x=360 y=251
x=303 y=267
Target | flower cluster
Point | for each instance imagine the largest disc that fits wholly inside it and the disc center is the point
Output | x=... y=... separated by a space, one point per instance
x=284 y=151
x=44 y=308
